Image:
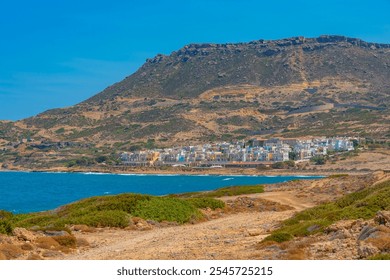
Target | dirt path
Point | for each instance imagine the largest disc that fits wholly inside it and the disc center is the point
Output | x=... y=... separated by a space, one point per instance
x=230 y=237
x=233 y=236
x=288 y=198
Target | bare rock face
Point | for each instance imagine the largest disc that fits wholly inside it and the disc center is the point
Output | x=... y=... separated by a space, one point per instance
x=351 y=239
x=383 y=218
x=25 y=235
x=366 y=250
x=82 y=228
x=10 y=251
x=367 y=232
x=141 y=224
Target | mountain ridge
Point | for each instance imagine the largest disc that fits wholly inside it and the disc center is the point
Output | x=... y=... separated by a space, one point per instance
x=265 y=48
x=324 y=86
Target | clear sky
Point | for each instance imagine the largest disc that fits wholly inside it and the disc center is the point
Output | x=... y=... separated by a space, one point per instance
x=58 y=53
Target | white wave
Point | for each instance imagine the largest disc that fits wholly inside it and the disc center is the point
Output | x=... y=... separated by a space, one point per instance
x=308 y=176
x=131 y=174
x=227 y=179
x=95 y=173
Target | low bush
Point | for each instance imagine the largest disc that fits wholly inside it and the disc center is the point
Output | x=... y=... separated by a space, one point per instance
x=167 y=209
x=43 y=220
x=5 y=227
x=381 y=257
x=108 y=218
x=5 y=215
x=226 y=191
x=318 y=160
x=235 y=190
x=338 y=175
x=206 y=202
x=47 y=242
x=66 y=241
x=122 y=202
x=279 y=237
x=283 y=164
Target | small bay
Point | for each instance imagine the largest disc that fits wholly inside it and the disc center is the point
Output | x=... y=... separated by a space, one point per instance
x=22 y=192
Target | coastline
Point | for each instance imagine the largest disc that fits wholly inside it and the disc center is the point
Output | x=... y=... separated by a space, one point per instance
x=192 y=171
x=242 y=225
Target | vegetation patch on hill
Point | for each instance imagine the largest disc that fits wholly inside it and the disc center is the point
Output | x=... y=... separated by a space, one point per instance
x=111 y=211
x=167 y=209
x=226 y=191
x=381 y=257
x=206 y=202
x=363 y=204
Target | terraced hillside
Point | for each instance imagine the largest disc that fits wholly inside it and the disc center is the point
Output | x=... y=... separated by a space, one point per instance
x=331 y=85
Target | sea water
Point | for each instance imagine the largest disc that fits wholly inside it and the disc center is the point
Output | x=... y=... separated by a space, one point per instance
x=22 y=192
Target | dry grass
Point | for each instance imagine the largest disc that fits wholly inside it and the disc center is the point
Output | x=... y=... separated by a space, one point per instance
x=10 y=251
x=248 y=204
x=48 y=243
x=34 y=257
x=83 y=228
x=382 y=242
x=82 y=242
x=27 y=247
x=68 y=241
x=266 y=244
x=296 y=254
x=63 y=244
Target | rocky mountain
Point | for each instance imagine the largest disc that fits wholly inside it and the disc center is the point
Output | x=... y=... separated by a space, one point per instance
x=330 y=85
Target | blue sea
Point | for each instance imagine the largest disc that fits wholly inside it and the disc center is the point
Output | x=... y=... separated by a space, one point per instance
x=22 y=192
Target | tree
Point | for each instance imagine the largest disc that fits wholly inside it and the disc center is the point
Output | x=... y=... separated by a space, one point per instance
x=318 y=160
x=293 y=155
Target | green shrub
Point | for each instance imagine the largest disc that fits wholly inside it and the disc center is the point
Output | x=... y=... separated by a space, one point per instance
x=283 y=164
x=226 y=191
x=105 y=211
x=5 y=227
x=41 y=220
x=5 y=215
x=101 y=159
x=70 y=163
x=109 y=218
x=318 y=160
x=380 y=257
x=279 y=237
x=66 y=241
x=206 y=202
x=167 y=209
x=60 y=130
x=338 y=175
x=123 y=202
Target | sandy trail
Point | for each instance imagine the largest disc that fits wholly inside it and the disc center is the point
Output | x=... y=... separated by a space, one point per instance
x=230 y=237
x=288 y=198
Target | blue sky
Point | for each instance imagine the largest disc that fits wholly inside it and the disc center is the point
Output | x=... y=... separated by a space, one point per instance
x=58 y=53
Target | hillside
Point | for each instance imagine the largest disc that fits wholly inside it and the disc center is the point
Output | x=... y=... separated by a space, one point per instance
x=330 y=85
